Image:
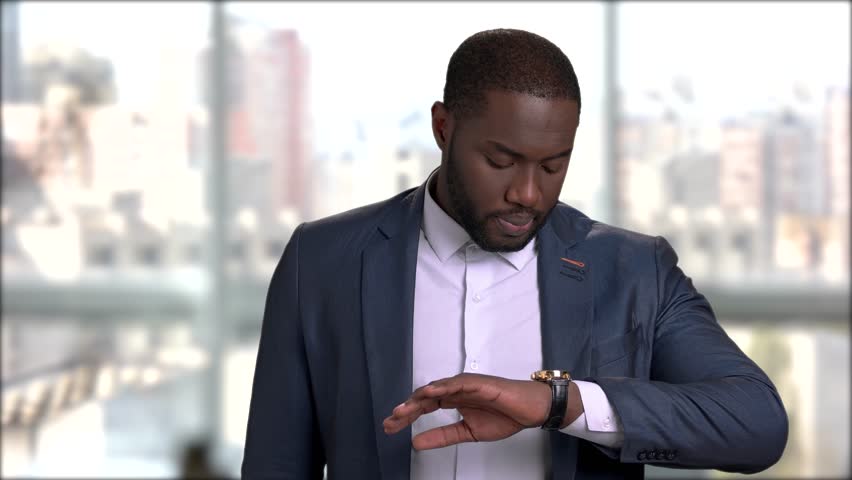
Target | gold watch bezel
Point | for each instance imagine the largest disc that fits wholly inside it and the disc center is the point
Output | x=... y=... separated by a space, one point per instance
x=548 y=375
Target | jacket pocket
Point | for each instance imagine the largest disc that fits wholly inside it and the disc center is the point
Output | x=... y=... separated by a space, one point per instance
x=614 y=355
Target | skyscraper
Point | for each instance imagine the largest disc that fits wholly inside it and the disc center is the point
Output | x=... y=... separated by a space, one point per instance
x=268 y=131
x=12 y=82
x=291 y=164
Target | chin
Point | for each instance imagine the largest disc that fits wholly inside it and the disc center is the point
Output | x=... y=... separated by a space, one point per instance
x=502 y=243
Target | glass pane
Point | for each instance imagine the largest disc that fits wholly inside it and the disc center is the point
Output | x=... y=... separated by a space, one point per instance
x=733 y=143
x=105 y=228
x=103 y=233
x=734 y=137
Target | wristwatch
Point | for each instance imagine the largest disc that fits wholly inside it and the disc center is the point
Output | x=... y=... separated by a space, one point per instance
x=558 y=381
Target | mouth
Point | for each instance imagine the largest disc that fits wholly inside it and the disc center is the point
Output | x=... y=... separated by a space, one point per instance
x=515 y=226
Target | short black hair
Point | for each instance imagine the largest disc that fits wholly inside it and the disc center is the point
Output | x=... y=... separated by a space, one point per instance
x=511 y=60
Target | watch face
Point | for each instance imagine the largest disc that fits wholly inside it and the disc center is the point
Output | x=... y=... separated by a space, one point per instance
x=548 y=375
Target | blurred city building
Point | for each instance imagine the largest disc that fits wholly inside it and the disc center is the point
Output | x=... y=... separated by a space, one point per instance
x=268 y=120
x=108 y=223
x=747 y=198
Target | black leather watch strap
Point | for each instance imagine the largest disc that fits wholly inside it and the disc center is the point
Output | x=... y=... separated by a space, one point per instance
x=558 y=403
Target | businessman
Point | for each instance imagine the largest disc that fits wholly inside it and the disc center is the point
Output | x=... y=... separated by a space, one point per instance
x=477 y=328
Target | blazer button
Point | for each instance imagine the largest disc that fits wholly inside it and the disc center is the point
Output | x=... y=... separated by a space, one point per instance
x=641 y=455
x=660 y=455
x=671 y=455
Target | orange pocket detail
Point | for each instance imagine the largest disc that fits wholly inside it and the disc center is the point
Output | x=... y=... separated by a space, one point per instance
x=573 y=262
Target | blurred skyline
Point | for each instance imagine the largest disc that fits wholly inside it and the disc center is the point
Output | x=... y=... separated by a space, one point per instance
x=730 y=139
x=285 y=66
x=719 y=83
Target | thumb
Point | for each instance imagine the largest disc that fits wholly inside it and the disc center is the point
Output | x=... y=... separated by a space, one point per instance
x=440 y=437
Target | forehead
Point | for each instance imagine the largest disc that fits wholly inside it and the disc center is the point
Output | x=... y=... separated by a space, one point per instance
x=518 y=115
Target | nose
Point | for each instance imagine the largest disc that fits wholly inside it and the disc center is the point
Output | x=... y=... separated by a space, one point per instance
x=524 y=189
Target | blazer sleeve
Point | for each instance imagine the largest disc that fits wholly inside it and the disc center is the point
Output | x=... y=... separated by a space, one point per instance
x=282 y=438
x=706 y=405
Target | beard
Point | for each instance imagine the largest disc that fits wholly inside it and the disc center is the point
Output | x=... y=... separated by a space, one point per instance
x=477 y=227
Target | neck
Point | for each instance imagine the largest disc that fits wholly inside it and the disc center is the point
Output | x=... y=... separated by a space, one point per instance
x=441 y=193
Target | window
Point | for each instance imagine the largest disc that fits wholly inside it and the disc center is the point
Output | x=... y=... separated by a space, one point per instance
x=147 y=200
x=742 y=169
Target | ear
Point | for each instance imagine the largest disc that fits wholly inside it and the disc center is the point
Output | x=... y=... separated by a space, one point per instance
x=441 y=124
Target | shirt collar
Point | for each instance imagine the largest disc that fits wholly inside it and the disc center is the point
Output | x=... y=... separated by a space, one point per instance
x=446 y=236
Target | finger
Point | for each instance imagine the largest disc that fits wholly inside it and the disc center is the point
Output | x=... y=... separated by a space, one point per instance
x=473 y=394
x=437 y=390
x=440 y=437
x=432 y=389
x=412 y=405
x=452 y=384
x=407 y=413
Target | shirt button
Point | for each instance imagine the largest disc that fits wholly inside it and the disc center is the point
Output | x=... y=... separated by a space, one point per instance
x=474 y=365
x=607 y=422
x=477 y=298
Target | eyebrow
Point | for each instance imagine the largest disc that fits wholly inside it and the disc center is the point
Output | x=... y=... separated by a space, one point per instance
x=508 y=151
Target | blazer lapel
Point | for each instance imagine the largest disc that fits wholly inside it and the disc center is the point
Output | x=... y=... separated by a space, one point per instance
x=566 y=298
x=388 y=271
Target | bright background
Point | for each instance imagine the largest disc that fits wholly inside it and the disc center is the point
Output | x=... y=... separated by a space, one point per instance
x=156 y=158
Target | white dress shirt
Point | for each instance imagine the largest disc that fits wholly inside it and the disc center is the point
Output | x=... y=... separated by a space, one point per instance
x=478 y=312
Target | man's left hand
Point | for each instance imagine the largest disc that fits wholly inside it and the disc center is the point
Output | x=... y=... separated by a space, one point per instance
x=492 y=408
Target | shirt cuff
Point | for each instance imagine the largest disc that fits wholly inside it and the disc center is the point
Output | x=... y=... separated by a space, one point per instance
x=598 y=423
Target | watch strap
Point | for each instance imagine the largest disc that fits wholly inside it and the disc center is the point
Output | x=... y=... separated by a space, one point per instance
x=558 y=403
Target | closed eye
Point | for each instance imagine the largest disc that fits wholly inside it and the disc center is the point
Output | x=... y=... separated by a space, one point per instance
x=550 y=170
x=495 y=164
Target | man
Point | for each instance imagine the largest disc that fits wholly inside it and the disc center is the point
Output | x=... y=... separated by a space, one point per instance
x=461 y=289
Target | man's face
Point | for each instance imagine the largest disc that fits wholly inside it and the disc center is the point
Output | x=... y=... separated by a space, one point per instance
x=502 y=170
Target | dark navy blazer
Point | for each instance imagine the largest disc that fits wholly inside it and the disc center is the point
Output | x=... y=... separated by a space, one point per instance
x=335 y=352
